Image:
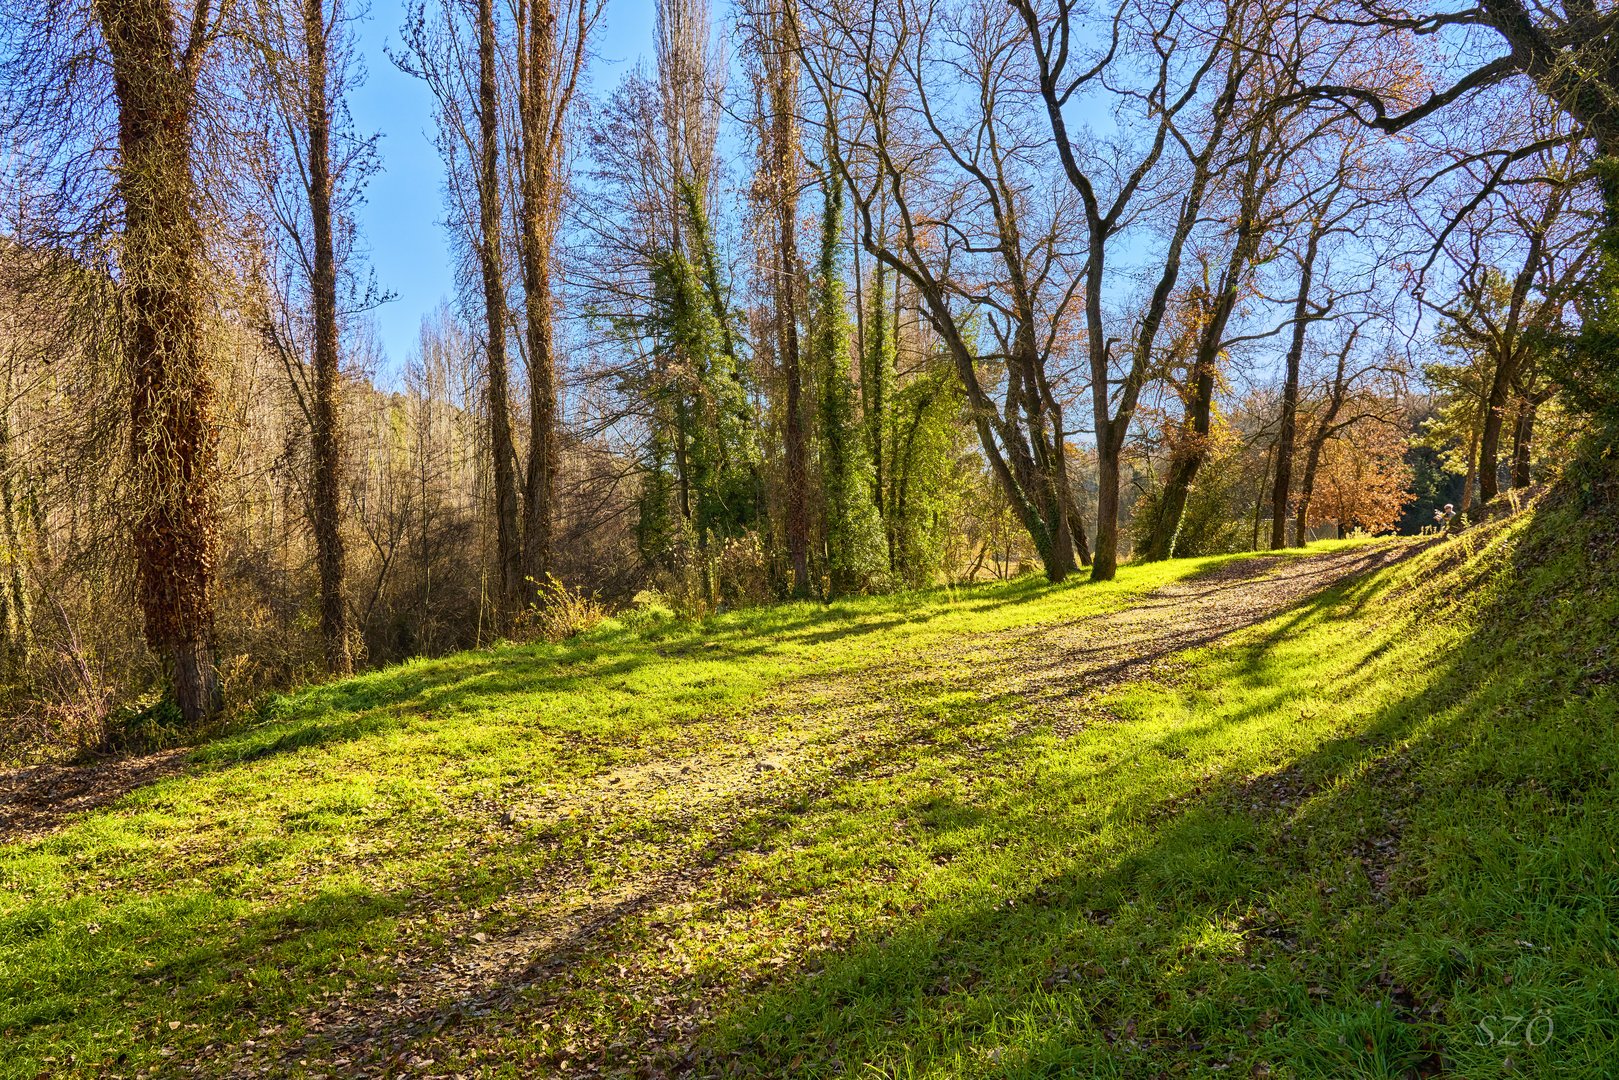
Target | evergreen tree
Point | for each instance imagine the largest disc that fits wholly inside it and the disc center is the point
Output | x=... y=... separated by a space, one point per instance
x=856 y=554
x=876 y=395
x=703 y=478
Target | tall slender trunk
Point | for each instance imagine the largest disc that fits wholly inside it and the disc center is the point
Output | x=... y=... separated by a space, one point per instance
x=175 y=509
x=781 y=61
x=1489 y=444
x=508 y=539
x=538 y=185
x=1061 y=562
x=875 y=397
x=1323 y=431
x=325 y=423
x=1259 y=499
x=1194 y=448
x=543 y=448
x=1105 y=559
x=1301 y=514
x=1076 y=528
x=1290 y=398
x=1470 y=480
x=15 y=624
x=890 y=433
x=798 y=518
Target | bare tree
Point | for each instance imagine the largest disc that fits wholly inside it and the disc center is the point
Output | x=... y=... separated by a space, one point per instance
x=492 y=277
x=1265 y=180
x=472 y=94
x=1505 y=315
x=1335 y=210
x=774 y=28
x=308 y=167
x=1173 y=55
x=551 y=41
x=975 y=228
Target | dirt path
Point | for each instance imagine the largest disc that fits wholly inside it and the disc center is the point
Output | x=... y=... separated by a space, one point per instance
x=815 y=735
x=39 y=799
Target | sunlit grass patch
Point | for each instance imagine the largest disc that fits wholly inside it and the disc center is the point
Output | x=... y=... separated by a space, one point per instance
x=819 y=841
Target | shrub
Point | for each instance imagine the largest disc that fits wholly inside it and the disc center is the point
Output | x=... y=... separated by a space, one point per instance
x=558 y=612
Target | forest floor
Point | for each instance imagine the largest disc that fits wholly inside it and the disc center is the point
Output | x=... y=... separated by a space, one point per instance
x=1179 y=824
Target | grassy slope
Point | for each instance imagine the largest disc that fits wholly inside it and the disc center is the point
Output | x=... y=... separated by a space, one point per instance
x=1375 y=840
x=279 y=869
x=1350 y=846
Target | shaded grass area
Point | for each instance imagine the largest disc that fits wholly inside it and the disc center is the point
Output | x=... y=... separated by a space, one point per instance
x=1356 y=841
x=1373 y=839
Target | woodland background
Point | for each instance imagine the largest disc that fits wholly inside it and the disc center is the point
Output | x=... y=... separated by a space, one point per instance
x=847 y=298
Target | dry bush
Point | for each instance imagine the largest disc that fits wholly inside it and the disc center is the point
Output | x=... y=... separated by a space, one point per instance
x=742 y=571
x=558 y=612
x=735 y=573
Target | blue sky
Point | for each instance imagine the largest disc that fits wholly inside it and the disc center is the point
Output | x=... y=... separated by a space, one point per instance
x=404 y=202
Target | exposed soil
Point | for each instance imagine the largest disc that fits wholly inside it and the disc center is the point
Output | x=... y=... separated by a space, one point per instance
x=39 y=799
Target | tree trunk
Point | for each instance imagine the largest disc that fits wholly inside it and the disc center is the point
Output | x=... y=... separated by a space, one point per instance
x=1259 y=499
x=1523 y=433
x=175 y=512
x=325 y=433
x=1183 y=470
x=1076 y=527
x=798 y=518
x=784 y=157
x=15 y=625
x=1290 y=400
x=508 y=542
x=1060 y=562
x=1318 y=441
x=1105 y=560
x=539 y=198
x=1312 y=462
x=1489 y=444
x=543 y=451
x=1471 y=476
x=876 y=388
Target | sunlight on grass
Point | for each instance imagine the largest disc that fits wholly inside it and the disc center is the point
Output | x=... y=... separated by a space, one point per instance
x=1332 y=847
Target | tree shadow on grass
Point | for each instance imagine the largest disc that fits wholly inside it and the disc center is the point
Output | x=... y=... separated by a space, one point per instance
x=1195 y=951
x=896 y=975
x=36 y=799
x=153 y=966
x=285 y=941
x=385 y=699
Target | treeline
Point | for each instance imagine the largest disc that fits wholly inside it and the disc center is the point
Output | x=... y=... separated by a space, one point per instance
x=857 y=297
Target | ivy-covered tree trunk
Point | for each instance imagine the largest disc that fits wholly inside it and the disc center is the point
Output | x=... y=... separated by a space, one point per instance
x=877 y=377
x=855 y=551
x=175 y=512
x=325 y=420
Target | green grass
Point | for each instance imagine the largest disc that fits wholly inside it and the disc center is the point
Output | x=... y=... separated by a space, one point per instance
x=1353 y=842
